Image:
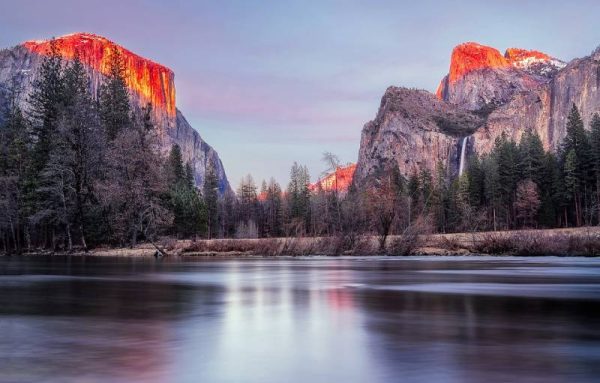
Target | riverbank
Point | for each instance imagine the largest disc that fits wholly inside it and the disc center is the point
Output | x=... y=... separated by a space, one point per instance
x=563 y=242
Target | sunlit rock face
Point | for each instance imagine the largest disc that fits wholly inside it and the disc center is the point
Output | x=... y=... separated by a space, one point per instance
x=486 y=94
x=154 y=82
x=339 y=180
x=148 y=82
x=481 y=78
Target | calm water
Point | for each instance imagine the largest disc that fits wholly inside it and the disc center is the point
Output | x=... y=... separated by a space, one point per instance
x=300 y=320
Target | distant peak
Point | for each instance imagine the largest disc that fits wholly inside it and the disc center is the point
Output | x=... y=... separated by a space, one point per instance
x=338 y=180
x=471 y=56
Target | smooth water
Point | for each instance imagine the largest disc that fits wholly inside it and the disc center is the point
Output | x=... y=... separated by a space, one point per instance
x=435 y=319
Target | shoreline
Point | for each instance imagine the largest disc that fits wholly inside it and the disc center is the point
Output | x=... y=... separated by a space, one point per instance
x=584 y=241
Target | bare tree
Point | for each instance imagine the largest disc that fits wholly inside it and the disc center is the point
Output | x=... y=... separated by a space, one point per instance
x=527 y=202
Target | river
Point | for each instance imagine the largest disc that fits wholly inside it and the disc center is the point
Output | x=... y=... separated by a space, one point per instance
x=308 y=319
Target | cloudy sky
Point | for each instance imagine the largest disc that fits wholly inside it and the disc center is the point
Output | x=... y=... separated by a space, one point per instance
x=271 y=82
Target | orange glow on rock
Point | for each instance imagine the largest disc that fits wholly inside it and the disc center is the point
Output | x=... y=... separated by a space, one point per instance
x=154 y=82
x=468 y=57
x=340 y=179
x=517 y=54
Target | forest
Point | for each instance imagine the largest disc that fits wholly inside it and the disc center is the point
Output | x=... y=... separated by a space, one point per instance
x=79 y=170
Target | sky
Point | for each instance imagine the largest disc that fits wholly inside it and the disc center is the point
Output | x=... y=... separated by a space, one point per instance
x=267 y=83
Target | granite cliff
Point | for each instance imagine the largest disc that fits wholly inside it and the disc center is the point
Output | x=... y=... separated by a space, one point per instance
x=485 y=94
x=148 y=82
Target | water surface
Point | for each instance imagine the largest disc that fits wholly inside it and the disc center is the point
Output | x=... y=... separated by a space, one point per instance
x=433 y=319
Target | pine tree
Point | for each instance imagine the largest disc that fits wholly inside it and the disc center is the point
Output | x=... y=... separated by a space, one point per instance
x=46 y=103
x=84 y=152
x=299 y=198
x=572 y=183
x=189 y=178
x=531 y=157
x=114 y=97
x=176 y=169
x=580 y=172
x=492 y=191
x=413 y=189
x=211 y=201
x=476 y=179
x=595 y=149
x=506 y=156
x=14 y=160
x=550 y=191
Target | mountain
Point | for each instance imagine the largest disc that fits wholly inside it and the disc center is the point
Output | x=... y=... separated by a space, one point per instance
x=481 y=77
x=148 y=82
x=339 y=180
x=485 y=94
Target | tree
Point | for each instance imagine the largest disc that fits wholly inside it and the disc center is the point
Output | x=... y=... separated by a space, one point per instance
x=176 y=170
x=273 y=209
x=572 y=183
x=332 y=163
x=298 y=196
x=382 y=200
x=492 y=191
x=531 y=156
x=133 y=193
x=84 y=145
x=579 y=171
x=595 y=146
x=114 y=97
x=247 y=208
x=527 y=202
x=14 y=161
x=46 y=102
x=211 y=201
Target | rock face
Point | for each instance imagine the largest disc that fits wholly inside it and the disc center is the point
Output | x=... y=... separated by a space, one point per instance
x=147 y=81
x=480 y=78
x=339 y=181
x=413 y=130
x=484 y=95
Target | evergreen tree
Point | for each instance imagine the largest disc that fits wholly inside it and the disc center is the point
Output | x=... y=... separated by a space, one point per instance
x=531 y=157
x=572 y=183
x=299 y=198
x=211 y=201
x=114 y=97
x=189 y=178
x=273 y=209
x=492 y=191
x=580 y=172
x=595 y=150
x=175 y=166
x=506 y=156
x=46 y=103
x=14 y=160
x=413 y=189
x=84 y=150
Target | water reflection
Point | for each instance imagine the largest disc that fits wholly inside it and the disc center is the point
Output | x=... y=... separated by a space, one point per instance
x=298 y=320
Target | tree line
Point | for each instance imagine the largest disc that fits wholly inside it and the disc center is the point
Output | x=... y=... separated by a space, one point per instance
x=81 y=169
x=516 y=185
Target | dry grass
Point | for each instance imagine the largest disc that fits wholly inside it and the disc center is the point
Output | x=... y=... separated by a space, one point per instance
x=583 y=242
x=563 y=242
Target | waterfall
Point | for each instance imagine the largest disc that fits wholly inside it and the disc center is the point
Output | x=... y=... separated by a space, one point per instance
x=463 y=153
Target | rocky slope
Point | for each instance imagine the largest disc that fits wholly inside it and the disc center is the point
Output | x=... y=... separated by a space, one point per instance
x=413 y=130
x=339 y=180
x=484 y=95
x=148 y=82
